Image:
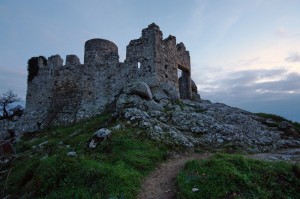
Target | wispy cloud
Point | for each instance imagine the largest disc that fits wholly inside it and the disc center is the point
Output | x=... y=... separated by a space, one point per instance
x=247 y=62
x=282 y=32
x=293 y=57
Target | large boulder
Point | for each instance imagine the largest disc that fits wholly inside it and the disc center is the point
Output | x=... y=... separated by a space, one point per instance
x=165 y=91
x=139 y=88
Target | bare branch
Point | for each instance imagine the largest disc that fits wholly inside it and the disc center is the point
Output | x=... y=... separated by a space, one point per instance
x=6 y=99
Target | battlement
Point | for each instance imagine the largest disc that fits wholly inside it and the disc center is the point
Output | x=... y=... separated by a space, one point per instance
x=55 y=62
x=72 y=60
x=62 y=94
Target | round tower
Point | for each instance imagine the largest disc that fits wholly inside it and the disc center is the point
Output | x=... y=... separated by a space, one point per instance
x=100 y=52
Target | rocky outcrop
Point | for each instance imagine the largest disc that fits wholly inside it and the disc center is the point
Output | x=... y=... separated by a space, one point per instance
x=202 y=123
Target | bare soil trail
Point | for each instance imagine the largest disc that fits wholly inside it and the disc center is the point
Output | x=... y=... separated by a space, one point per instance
x=161 y=183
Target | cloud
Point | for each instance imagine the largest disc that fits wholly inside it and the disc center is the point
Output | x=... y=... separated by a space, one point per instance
x=293 y=57
x=274 y=91
x=247 y=62
x=253 y=85
x=282 y=32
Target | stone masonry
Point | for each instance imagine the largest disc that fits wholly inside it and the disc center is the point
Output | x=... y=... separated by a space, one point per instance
x=59 y=94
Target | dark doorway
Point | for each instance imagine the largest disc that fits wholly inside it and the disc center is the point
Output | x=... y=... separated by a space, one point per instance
x=184 y=83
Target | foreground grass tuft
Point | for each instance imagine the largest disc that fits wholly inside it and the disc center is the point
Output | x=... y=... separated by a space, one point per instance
x=113 y=170
x=233 y=176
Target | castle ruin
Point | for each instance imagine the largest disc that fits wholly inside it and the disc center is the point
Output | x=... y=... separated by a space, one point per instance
x=62 y=94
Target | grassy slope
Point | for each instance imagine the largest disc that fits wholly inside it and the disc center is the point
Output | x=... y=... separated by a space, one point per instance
x=113 y=170
x=233 y=176
x=117 y=166
x=277 y=119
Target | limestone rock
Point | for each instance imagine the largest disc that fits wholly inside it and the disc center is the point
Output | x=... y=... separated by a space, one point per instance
x=72 y=153
x=92 y=144
x=99 y=136
x=139 y=88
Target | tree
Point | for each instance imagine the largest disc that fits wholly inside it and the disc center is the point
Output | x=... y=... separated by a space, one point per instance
x=7 y=99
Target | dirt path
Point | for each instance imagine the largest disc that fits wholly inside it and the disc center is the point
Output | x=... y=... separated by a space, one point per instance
x=161 y=184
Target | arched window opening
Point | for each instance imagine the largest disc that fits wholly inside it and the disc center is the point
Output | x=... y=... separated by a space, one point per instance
x=179 y=73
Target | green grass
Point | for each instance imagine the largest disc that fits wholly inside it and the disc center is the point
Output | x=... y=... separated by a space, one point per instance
x=113 y=170
x=117 y=166
x=233 y=176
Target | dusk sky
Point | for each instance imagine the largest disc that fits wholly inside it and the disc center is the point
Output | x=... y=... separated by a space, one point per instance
x=244 y=53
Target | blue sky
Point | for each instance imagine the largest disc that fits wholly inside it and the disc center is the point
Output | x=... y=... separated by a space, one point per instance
x=243 y=53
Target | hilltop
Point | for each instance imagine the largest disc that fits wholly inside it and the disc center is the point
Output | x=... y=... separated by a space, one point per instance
x=98 y=129
x=110 y=155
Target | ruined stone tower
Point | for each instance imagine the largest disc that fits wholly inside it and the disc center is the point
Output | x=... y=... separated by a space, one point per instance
x=62 y=94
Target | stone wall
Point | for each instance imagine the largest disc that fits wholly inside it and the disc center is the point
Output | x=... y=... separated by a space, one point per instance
x=62 y=94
